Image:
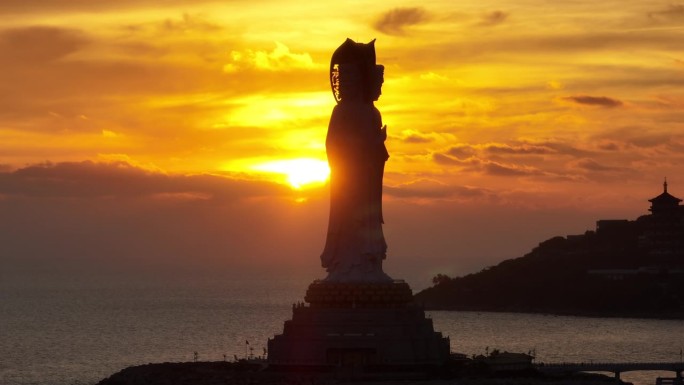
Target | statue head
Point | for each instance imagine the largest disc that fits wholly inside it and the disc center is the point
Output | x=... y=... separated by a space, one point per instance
x=352 y=68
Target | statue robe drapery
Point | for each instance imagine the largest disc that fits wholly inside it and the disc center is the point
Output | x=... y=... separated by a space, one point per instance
x=355 y=243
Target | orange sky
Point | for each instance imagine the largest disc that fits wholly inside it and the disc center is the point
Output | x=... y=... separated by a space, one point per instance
x=526 y=118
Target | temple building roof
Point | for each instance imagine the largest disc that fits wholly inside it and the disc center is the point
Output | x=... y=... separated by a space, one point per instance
x=665 y=199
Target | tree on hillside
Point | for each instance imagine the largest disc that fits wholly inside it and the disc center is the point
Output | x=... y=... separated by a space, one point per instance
x=440 y=279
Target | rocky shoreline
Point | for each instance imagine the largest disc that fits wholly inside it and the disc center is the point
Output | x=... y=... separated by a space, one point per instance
x=255 y=373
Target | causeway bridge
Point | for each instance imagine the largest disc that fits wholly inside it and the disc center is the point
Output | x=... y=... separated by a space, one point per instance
x=613 y=367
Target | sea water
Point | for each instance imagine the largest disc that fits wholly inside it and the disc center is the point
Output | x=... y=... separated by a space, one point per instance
x=78 y=330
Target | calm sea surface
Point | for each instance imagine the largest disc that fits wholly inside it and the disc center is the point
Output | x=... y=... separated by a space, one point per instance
x=78 y=331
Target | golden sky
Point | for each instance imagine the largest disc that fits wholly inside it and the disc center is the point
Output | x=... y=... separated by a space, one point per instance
x=551 y=108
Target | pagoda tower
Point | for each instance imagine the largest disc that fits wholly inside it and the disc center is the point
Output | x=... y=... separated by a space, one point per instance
x=665 y=229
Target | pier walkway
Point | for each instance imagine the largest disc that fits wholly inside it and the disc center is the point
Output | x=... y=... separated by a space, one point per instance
x=613 y=367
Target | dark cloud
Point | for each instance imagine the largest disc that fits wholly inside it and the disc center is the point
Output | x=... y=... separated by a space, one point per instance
x=524 y=149
x=650 y=140
x=565 y=148
x=144 y=219
x=122 y=180
x=601 y=101
x=668 y=102
x=588 y=164
x=40 y=44
x=488 y=166
x=493 y=18
x=501 y=159
x=114 y=213
x=609 y=146
x=448 y=160
x=462 y=151
x=672 y=13
x=638 y=137
x=498 y=169
x=616 y=168
x=433 y=189
x=166 y=222
x=520 y=148
x=445 y=160
x=395 y=21
x=417 y=138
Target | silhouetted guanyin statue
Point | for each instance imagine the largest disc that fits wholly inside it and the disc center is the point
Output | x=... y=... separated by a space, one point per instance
x=355 y=245
x=357 y=315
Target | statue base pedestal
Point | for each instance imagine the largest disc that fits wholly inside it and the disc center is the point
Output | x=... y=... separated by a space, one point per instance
x=358 y=324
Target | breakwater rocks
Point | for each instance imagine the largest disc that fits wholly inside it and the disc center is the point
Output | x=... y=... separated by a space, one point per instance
x=247 y=373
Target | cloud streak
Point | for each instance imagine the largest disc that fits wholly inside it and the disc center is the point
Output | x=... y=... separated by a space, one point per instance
x=431 y=189
x=498 y=169
x=32 y=46
x=493 y=18
x=92 y=180
x=525 y=149
x=673 y=12
x=599 y=101
x=120 y=215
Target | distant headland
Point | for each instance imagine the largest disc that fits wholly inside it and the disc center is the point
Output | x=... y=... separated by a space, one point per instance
x=624 y=268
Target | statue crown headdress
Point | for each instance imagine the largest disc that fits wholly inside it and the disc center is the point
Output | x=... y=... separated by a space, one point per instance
x=352 y=62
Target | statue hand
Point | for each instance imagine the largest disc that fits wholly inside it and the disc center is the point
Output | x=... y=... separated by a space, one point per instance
x=383 y=132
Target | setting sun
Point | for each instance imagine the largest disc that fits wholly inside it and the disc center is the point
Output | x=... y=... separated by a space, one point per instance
x=298 y=172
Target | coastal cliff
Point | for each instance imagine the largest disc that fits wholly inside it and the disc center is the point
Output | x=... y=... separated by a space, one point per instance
x=590 y=274
x=622 y=268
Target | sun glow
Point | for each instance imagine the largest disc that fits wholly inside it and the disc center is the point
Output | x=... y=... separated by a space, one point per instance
x=298 y=172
